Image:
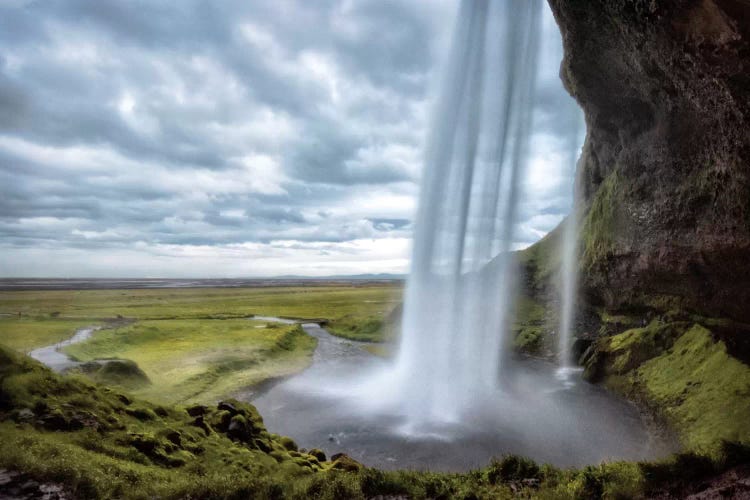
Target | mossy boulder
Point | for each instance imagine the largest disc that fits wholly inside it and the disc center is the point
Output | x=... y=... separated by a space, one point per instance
x=116 y=373
x=288 y=443
x=142 y=413
x=342 y=461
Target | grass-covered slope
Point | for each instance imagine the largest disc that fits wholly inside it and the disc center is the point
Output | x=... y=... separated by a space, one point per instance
x=97 y=442
x=201 y=360
x=102 y=444
x=682 y=372
x=535 y=312
x=26 y=333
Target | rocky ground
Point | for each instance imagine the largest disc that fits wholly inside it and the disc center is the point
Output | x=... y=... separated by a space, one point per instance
x=17 y=486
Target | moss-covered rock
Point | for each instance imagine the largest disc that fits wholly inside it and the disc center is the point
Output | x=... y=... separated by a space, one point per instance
x=288 y=443
x=682 y=372
x=344 y=462
x=116 y=373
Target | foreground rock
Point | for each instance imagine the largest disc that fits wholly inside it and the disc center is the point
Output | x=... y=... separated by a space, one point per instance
x=17 y=486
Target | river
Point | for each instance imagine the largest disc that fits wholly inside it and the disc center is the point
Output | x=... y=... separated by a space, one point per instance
x=58 y=361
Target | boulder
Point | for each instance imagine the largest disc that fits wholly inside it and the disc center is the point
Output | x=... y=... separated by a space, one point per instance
x=342 y=461
x=196 y=410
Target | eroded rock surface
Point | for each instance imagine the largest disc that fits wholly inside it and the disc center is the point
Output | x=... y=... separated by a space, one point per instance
x=665 y=173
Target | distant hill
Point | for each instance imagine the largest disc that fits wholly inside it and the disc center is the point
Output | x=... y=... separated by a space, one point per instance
x=379 y=276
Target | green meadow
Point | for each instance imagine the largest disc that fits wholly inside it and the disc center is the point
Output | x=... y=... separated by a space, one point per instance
x=197 y=344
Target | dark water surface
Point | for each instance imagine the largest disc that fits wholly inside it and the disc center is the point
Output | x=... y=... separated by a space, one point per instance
x=536 y=415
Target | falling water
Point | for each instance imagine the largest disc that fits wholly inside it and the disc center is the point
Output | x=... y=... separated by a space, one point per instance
x=570 y=116
x=460 y=287
x=569 y=253
x=454 y=392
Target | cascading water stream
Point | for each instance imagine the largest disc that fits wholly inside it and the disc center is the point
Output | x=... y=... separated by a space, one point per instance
x=569 y=261
x=461 y=284
x=454 y=397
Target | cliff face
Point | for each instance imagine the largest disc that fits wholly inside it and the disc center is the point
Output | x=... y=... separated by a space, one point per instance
x=664 y=177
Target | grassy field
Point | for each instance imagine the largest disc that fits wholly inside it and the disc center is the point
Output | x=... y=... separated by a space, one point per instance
x=99 y=443
x=353 y=311
x=195 y=344
x=201 y=360
x=25 y=333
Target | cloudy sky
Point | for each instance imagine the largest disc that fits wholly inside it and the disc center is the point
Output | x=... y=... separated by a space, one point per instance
x=232 y=138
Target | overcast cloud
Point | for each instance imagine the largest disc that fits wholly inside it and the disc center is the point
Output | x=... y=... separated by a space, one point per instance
x=231 y=138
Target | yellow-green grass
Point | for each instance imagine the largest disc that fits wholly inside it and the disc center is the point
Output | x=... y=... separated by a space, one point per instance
x=134 y=449
x=352 y=311
x=191 y=360
x=26 y=333
x=530 y=326
x=687 y=375
x=701 y=389
x=104 y=444
x=100 y=443
x=195 y=344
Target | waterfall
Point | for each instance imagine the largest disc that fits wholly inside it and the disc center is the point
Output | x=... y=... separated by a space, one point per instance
x=569 y=253
x=460 y=287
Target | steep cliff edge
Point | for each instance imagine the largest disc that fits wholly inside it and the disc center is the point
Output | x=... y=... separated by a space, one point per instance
x=664 y=195
x=665 y=173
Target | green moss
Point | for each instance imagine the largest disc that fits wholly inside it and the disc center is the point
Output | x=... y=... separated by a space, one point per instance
x=542 y=259
x=106 y=445
x=529 y=340
x=617 y=319
x=530 y=327
x=704 y=392
x=600 y=222
x=683 y=372
x=288 y=443
x=121 y=373
x=100 y=443
x=534 y=322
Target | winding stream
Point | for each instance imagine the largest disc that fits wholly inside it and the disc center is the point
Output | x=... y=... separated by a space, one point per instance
x=58 y=361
